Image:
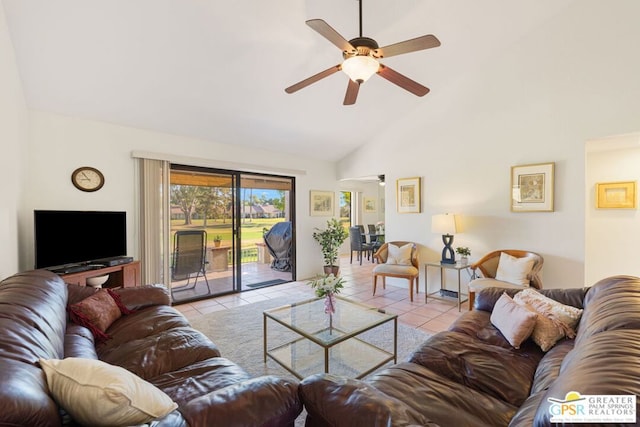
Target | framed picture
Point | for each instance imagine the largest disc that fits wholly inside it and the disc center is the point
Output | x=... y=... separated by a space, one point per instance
x=408 y=195
x=369 y=205
x=321 y=203
x=532 y=188
x=616 y=195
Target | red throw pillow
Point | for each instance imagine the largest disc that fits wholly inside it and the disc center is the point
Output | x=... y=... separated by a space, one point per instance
x=98 y=311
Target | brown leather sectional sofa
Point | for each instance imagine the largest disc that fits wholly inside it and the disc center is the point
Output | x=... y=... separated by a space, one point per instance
x=155 y=342
x=471 y=376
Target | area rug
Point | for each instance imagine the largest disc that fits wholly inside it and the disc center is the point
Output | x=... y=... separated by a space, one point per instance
x=238 y=333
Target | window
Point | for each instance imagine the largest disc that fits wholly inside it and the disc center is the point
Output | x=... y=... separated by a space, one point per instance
x=346 y=209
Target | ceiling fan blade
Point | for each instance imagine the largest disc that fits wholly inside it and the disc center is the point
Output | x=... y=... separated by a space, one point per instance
x=352 y=93
x=310 y=80
x=326 y=31
x=419 y=43
x=404 y=82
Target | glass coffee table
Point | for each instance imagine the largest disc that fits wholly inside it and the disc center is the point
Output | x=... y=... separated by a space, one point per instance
x=352 y=342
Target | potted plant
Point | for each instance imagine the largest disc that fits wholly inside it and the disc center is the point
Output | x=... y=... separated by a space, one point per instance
x=464 y=253
x=330 y=240
x=217 y=240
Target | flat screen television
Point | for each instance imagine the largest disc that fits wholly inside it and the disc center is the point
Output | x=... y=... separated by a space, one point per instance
x=72 y=237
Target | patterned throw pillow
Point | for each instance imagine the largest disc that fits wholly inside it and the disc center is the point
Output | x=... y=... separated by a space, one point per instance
x=98 y=311
x=555 y=320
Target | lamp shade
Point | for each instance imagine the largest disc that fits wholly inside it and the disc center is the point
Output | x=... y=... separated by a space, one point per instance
x=359 y=68
x=443 y=224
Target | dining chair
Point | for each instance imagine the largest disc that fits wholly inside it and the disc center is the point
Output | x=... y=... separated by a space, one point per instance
x=374 y=239
x=357 y=244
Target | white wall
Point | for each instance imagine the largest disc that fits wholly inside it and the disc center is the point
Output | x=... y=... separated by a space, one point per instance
x=13 y=142
x=571 y=80
x=611 y=234
x=59 y=144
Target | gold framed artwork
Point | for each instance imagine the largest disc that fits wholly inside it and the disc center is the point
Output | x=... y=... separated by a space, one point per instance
x=408 y=195
x=616 y=195
x=532 y=188
x=369 y=205
x=321 y=203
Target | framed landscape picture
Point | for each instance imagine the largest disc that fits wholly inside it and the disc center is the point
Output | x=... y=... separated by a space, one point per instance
x=616 y=195
x=369 y=205
x=408 y=195
x=532 y=188
x=321 y=203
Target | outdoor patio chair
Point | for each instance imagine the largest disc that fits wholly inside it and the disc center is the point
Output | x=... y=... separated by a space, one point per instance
x=189 y=258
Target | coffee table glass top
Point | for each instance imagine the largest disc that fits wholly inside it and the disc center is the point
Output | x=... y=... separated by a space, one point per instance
x=308 y=319
x=346 y=343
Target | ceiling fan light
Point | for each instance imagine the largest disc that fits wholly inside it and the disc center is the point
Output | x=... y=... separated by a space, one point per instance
x=359 y=68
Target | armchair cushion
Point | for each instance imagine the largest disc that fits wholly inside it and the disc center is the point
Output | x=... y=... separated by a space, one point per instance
x=400 y=255
x=514 y=270
x=395 y=269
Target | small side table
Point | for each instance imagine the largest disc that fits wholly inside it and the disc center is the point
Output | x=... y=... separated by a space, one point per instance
x=458 y=267
x=218 y=258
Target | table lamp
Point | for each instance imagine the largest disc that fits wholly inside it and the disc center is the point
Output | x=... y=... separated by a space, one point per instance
x=445 y=224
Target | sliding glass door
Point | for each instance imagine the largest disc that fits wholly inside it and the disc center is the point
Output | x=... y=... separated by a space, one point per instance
x=229 y=231
x=202 y=233
x=267 y=232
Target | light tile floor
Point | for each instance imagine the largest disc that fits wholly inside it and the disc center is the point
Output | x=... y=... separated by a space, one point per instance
x=431 y=317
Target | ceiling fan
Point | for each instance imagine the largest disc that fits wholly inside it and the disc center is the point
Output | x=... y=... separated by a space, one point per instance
x=361 y=60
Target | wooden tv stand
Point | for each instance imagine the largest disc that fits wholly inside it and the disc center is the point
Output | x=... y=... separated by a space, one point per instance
x=120 y=276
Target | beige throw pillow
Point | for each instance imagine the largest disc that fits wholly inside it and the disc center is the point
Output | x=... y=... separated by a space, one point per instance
x=98 y=394
x=514 y=270
x=555 y=320
x=514 y=322
x=399 y=255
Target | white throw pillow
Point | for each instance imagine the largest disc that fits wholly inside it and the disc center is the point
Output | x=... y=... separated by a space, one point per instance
x=514 y=322
x=99 y=394
x=399 y=255
x=514 y=270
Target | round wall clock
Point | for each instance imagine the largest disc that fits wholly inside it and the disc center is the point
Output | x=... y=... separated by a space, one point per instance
x=87 y=179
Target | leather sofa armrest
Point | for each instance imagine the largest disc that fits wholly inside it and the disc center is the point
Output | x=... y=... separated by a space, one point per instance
x=337 y=401
x=144 y=296
x=264 y=401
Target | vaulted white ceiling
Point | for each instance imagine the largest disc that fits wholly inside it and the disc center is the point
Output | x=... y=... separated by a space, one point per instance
x=216 y=70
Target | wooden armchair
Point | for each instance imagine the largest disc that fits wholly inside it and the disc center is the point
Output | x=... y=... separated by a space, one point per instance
x=410 y=272
x=488 y=267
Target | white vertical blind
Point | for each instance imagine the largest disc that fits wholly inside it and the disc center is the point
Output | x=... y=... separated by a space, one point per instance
x=154 y=221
